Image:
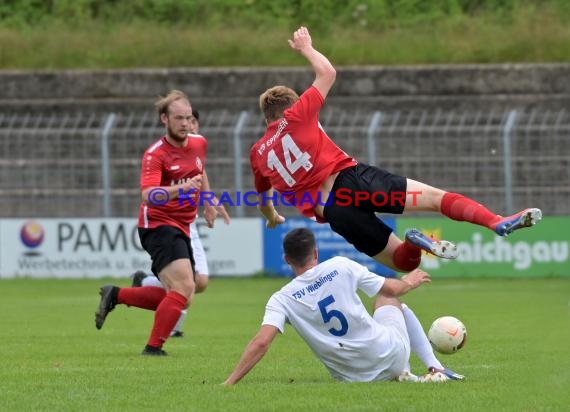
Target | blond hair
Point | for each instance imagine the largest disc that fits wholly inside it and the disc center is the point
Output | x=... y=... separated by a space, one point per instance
x=163 y=103
x=274 y=101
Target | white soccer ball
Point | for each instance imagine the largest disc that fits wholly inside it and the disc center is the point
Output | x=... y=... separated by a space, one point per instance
x=447 y=334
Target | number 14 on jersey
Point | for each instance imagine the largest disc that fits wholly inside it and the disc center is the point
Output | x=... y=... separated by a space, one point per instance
x=294 y=160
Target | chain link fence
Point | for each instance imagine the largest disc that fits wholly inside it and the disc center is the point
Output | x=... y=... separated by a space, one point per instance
x=87 y=165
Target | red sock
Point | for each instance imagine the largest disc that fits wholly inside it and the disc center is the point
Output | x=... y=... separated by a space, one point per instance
x=147 y=297
x=165 y=317
x=461 y=208
x=407 y=257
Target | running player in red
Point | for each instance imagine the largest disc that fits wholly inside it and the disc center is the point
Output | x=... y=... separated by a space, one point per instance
x=201 y=271
x=298 y=159
x=171 y=178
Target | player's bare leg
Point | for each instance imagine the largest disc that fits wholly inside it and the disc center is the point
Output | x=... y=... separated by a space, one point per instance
x=178 y=278
x=422 y=198
x=201 y=282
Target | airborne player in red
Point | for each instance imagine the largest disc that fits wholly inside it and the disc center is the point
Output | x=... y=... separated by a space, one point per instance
x=299 y=160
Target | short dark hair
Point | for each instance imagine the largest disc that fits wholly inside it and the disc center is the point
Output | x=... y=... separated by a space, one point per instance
x=196 y=114
x=299 y=245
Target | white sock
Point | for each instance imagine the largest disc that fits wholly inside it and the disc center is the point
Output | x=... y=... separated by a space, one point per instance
x=181 y=319
x=419 y=342
x=152 y=280
x=408 y=368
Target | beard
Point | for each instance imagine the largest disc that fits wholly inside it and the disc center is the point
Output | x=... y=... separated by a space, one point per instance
x=177 y=137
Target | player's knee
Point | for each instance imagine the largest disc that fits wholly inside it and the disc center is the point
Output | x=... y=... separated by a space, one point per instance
x=201 y=287
x=383 y=300
x=201 y=283
x=185 y=287
x=406 y=259
x=187 y=290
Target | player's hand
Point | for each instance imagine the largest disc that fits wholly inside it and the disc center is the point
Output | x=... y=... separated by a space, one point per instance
x=210 y=214
x=212 y=210
x=301 y=39
x=224 y=213
x=194 y=183
x=276 y=220
x=416 y=277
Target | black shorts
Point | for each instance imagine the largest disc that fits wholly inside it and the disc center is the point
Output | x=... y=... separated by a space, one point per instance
x=166 y=244
x=357 y=194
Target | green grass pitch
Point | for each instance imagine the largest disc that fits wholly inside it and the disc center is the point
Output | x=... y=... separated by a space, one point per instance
x=517 y=357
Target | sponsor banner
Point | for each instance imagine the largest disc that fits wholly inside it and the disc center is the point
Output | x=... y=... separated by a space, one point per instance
x=235 y=249
x=329 y=244
x=62 y=248
x=540 y=251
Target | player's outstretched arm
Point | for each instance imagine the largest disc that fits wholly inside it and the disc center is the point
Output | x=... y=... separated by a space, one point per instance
x=253 y=353
x=399 y=287
x=325 y=73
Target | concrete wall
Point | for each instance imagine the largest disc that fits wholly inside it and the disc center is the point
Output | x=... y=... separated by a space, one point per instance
x=379 y=88
x=52 y=163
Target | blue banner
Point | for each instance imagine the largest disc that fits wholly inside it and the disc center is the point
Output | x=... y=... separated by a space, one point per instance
x=329 y=244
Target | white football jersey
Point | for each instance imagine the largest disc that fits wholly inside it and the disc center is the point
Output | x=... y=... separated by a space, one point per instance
x=324 y=308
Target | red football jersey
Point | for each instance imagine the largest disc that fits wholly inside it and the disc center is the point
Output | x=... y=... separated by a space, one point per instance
x=167 y=165
x=295 y=156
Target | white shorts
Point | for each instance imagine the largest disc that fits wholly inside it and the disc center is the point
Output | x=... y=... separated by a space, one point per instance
x=200 y=262
x=393 y=320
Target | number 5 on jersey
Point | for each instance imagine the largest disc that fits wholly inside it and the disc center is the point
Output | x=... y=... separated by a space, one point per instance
x=294 y=160
x=328 y=316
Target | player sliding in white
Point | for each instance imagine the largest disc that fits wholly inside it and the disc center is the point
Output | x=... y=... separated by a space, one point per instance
x=322 y=305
